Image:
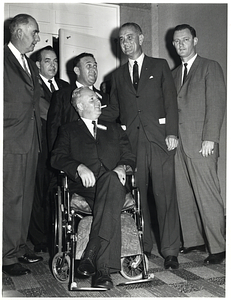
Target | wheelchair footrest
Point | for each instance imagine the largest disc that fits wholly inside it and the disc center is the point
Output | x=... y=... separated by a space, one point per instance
x=74 y=287
x=150 y=277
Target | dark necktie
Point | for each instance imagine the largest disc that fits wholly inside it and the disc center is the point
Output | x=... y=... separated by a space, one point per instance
x=51 y=85
x=135 y=75
x=94 y=128
x=185 y=73
x=25 y=65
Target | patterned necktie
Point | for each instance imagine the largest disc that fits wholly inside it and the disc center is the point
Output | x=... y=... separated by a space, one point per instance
x=135 y=75
x=94 y=128
x=185 y=73
x=25 y=65
x=52 y=88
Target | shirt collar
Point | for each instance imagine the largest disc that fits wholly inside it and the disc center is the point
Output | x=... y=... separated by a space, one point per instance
x=190 y=62
x=45 y=79
x=139 y=60
x=79 y=85
x=15 y=51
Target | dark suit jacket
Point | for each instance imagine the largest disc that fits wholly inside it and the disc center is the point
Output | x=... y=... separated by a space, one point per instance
x=153 y=106
x=201 y=102
x=21 y=105
x=75 y=145
x=61 y=112
x=45 y=99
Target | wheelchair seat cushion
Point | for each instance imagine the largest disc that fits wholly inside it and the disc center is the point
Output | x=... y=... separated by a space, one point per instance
x=79 y=204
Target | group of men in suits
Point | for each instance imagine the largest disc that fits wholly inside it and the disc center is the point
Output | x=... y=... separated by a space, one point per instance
x=172 y=127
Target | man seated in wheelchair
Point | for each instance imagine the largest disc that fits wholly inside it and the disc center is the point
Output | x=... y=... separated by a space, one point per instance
x=95 y=161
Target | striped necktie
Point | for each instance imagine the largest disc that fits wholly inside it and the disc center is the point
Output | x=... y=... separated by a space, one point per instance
x=52 y=88
x=94 y=128
x=25 y=65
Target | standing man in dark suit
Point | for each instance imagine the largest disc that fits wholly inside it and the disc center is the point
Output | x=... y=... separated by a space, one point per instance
x=145 y=100
x=61 y=111
x=22 y=140
x=47 y=63
x=201 y=102
x=96 y=162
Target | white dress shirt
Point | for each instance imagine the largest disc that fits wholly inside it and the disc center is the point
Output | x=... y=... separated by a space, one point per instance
x=139 y=62
x=48 y=83
x=189 y=64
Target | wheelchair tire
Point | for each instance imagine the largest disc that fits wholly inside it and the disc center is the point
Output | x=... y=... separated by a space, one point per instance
x=61 y=265
x=132 y=267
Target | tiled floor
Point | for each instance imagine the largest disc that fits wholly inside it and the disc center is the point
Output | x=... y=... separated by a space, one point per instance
x=192 y=279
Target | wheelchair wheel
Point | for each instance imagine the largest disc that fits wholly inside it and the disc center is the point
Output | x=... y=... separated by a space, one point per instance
x=61 y=265
x=132 y=267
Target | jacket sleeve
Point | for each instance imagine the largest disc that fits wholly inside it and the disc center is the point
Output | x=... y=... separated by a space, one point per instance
x=111 y=112
x=170 y=101
x=126 y=155
x=61 y=158
x=215 y=102
x=54 y=118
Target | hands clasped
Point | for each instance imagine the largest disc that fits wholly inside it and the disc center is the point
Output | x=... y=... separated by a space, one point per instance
x=88 y=177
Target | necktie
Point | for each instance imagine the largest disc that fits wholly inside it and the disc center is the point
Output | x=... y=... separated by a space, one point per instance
x=94 y=128
x=185 y=73
x=135 y=75
x=25 y=65
x=52 y=88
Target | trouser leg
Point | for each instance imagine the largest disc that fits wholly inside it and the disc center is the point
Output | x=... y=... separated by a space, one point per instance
x=18 y=192
x=106 y=225
x=190 y=219
x=207 y=190
x=164 y=190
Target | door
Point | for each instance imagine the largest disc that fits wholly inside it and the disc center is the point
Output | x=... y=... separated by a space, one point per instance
x=73 y=43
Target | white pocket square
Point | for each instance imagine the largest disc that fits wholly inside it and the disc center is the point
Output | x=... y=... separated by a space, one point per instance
x=151 y=77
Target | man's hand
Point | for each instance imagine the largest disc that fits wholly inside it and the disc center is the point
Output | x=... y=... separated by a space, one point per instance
x=171 y=142
x=121 y=172
x=86 y=175
x=207 y=148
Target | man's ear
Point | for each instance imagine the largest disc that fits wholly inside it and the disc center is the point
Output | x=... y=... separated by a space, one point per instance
x=38 y=64
x=77 y=71
x=195 y=41
x=141 y=39
x=19 y=33
x=79 y=106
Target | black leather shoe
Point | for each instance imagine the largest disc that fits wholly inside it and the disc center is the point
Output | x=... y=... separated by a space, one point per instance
x=216 y=258
x=186 y=250
x=29 y=258
x=15 y=270
x=171 y=262
x=103 y=279
x=40 y=248
x=86 y=266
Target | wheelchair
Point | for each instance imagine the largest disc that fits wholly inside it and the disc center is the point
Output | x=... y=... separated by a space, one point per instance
x=71 y=227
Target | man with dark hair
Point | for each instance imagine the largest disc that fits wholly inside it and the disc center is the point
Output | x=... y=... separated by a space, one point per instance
x=143 y=95
x=61 y=111
x=47 y=63
x=201 y=101
x=22 y=141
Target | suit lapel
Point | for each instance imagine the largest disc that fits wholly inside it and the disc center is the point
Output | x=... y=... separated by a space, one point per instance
x=144 y=74
x=189 y=76
x=127 y=78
